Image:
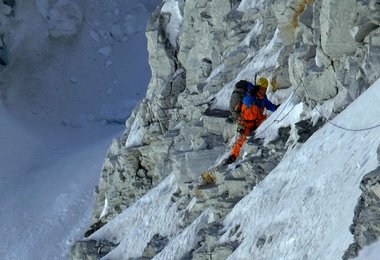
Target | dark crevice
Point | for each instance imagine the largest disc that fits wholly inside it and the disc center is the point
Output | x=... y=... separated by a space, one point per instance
x=11 y=3
x=3 y=51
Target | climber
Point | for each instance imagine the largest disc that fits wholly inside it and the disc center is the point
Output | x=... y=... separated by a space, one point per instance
x=251 y=114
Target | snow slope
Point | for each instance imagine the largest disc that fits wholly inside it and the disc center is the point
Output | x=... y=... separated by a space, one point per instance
x=302 y=209
x=63 y=100
x=46 y=199
x=307 y=202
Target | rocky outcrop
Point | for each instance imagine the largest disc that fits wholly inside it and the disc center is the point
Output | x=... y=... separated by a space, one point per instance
x=7 y=12
x=91 y=250
x=198 y=50
x=232 y=186
x=366 y=222
x=336 y=20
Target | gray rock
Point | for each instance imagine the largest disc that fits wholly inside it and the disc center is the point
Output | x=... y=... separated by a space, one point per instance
x=366 y=222
x=320 y=85
x=155 y=246
x=305 y=129
x=336 y=39
x=364 y=30
x=90 y=249
x=371 y=65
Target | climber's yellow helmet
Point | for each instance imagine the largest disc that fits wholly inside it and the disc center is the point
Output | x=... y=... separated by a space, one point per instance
x=262 y=82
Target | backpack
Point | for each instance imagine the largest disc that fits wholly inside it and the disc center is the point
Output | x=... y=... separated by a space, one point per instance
x=236 y=100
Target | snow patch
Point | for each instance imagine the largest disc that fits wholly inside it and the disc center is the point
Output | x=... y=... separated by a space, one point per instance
x=173 y=27
x=253 y=33
x=105 y=208
x=136 y=134
x=249 y=4
x=154 y=213
x=264 y=60
x=187 y=240
x=105 y=51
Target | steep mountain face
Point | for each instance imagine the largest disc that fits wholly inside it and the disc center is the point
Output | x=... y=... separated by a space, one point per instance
x=326 y=53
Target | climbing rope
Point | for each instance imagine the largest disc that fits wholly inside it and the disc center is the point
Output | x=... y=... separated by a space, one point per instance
x=283 y=109
x=276 y=120
x=339 y=126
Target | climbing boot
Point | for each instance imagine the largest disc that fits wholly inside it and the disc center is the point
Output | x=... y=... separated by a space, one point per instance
x=230 y=159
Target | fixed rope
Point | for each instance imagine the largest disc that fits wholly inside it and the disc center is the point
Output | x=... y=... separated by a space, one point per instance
x=283 y=109
x=339 y=126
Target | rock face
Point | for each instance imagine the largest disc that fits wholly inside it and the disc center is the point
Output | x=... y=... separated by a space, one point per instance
x=321 y=50
x=366 y=222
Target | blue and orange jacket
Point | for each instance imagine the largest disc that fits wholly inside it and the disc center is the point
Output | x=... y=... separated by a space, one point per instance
x=252 y=109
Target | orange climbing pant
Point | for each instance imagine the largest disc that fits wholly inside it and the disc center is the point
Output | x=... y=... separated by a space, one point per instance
x=251 y=116
x=243 y=129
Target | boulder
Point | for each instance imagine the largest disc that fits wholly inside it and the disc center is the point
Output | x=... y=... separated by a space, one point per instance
x=337 y=18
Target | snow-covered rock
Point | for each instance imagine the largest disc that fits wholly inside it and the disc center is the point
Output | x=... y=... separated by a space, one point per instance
x=198 y=51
